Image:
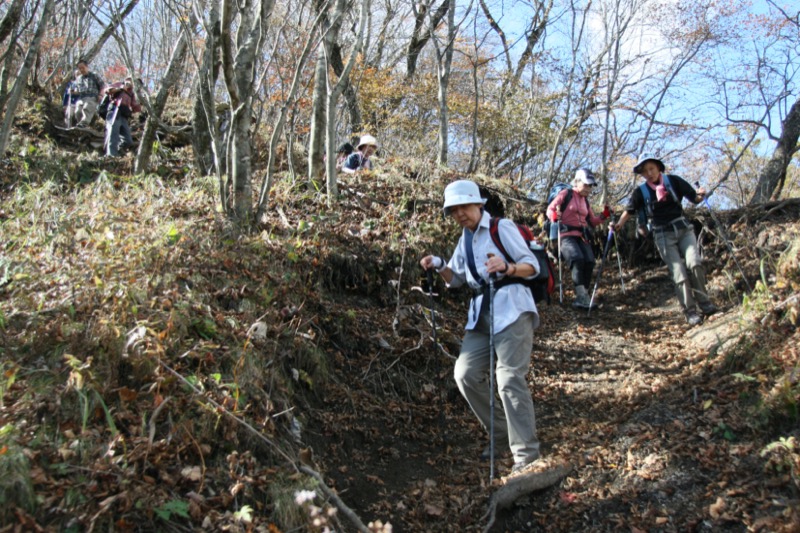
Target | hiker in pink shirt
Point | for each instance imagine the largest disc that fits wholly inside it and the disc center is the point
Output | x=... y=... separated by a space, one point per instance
x=571 y=210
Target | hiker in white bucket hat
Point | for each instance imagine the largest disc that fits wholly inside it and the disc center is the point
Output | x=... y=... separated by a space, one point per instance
x=505 y=322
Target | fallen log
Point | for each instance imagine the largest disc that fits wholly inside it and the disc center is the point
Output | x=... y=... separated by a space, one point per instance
x=537 y=476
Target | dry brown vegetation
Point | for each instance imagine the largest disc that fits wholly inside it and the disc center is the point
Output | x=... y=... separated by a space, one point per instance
x=165 y=370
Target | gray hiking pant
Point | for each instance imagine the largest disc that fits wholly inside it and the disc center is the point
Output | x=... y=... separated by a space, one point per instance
x=678 y=249
x=515 y=423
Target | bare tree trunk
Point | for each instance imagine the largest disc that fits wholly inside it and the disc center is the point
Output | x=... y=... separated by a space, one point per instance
x=206 y=142
x=22 y=76
x=320 y=114
x=333 y=97
x=240 y=74
x=350 y=95
x=319 y=98
x=277 y=131
x=11 y=19
x=773 y=176
x=153 y=119
x=421 y=35
x=445 y=60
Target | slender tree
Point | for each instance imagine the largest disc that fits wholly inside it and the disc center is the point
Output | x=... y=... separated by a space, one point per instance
x=249 y=19
x=22 y=74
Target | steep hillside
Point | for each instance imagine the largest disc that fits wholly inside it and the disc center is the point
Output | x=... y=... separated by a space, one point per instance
x=163 y=370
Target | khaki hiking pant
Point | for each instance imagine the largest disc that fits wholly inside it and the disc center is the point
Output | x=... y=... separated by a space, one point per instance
x=514 y=417
x=678 y=249
x=84 y=110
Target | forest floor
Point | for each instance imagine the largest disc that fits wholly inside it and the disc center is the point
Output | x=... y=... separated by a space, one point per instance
x=164 y=370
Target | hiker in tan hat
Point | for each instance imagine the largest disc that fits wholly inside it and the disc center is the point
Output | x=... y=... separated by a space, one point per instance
x=657 y=203
x=360 y=159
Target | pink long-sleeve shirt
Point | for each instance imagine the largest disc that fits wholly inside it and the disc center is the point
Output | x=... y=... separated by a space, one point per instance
x=577 y=213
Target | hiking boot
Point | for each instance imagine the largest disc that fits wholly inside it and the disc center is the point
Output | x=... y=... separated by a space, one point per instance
x=707 y=308
x=519 y=466
x=693 y=319
x=581 y=298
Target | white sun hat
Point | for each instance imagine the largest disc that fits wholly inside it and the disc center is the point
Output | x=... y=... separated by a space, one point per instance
x=368 y=140
x=461 y=192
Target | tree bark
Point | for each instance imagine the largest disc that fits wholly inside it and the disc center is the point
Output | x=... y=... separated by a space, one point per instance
x=445 y=60
x=240 y=75
x=773 y=176
x=11 y=19
x=421 y=35
x=22 y=76
x=206 y=142
x=167 y=82
x=349 y=92
x=333 y=97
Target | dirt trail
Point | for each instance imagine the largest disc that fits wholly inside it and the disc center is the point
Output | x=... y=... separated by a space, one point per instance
x=622 y=395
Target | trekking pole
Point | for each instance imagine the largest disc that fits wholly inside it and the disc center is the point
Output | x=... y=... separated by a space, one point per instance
x=725 y=238
x=560 y=282
x=491 y=377
x=429 y=273
x=69 y=108
x=619 y=262
x=110 y=128
x=600 y=272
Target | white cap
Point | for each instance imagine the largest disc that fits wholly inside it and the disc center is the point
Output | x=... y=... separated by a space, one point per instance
x=584 y=175
x=647 y=157
x=461 y=192
x=367 y=140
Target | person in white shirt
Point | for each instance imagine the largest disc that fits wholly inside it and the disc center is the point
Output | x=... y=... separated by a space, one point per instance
x=475 y=260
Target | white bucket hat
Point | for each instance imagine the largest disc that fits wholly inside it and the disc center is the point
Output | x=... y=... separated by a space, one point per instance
x=367 y=140
x=461 y=192
x=647 y=157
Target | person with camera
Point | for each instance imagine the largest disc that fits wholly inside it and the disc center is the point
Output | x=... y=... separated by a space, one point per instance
x=478 y=263
x=123 y=105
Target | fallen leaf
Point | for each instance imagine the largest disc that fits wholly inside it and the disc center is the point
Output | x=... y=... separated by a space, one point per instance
x=716 y=509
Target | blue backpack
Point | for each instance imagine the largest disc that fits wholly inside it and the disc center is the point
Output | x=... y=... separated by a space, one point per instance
x=550 y=228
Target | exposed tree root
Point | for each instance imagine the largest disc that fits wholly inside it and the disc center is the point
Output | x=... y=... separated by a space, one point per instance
x=540 y=475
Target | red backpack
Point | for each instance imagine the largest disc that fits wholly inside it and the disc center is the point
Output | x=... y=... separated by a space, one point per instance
x=544 y=284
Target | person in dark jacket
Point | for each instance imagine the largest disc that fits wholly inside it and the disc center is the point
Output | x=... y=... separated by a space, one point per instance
x=83 y=94
x=360 y=160
x=123 y=105
x=672 y=232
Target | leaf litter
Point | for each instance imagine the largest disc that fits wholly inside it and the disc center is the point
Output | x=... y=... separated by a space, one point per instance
x=297 y=330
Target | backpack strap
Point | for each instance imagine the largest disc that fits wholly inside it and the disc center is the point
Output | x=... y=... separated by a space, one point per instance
x=473 y=269
x=494 y=231
x=646 y=213
x=567 y=199
x=668 y=185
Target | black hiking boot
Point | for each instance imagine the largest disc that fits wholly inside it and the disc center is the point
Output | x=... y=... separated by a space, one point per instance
x=692 y=318
x=707 y=308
